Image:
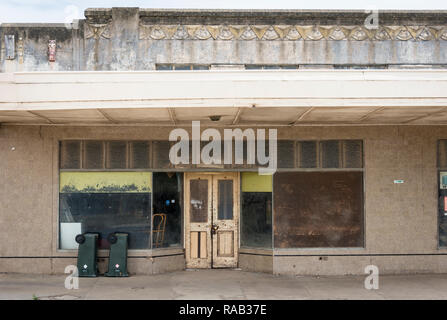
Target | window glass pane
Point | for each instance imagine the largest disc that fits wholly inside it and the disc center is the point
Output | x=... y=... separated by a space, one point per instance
x=256 y=210
x=140 y=154
x=225 y=194
x=286 y=154
x=160 y=154
x=271 y=67
x=442 y=154
x=253 y=67
x=198 y=200
x=70 y=154
x=105 y=202
x=164 y=67
x=167 y=209
x=353 y=155
x=106 y=213
x=307 y=154
x=116 y=154
x=199 y=67
x=93 y=155
x=183 y=67
x=318 y=209
x=291 y=66
x=442 y=205
x=330 y=154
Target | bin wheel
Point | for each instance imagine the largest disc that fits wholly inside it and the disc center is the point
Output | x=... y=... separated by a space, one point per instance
x=112 y=238
x=80 y=238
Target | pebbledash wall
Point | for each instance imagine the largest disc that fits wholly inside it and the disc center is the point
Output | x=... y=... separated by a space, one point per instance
x=400 y=220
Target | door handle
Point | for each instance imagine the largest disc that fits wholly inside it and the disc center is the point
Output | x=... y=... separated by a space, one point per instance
x=214 y=228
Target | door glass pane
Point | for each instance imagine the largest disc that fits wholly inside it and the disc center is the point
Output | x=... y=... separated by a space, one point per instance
x=225 y=209
x=198 y=200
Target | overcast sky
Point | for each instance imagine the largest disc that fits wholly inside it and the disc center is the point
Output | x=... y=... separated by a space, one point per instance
x=66 y=10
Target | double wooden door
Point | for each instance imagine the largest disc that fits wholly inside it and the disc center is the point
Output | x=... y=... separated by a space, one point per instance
x=211 y=220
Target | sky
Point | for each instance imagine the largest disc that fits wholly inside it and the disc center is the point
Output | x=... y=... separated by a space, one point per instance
x=67 y=10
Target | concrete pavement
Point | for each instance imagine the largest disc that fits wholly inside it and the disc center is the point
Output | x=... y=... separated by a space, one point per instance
x=223 y=284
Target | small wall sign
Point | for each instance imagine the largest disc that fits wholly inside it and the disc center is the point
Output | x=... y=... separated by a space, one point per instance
x=398 y=181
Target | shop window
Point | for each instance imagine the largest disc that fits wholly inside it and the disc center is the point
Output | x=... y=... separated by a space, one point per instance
x=105 y=202
x=256 y=210
x=442 y=192
x=167 y=209
x=318 y=209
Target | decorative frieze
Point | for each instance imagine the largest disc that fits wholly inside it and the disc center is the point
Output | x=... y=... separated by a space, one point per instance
x=290 y=32
x=97 y=30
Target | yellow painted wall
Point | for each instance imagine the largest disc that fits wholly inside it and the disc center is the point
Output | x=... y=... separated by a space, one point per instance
x=105 y=182
x=253 y=182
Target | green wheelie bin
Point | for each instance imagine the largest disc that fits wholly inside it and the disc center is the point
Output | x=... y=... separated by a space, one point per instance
x=88 y=243
x=117 y=255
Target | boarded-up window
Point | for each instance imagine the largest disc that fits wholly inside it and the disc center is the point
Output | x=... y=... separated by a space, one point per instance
x=70 y=154
x=318 y=209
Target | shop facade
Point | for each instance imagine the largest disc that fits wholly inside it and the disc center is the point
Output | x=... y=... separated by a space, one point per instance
x=355 y=117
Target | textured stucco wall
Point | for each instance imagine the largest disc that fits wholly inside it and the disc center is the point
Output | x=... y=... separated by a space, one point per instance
x=400 y=219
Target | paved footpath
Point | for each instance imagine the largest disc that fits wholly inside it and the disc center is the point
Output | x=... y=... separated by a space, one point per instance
x=223 y=284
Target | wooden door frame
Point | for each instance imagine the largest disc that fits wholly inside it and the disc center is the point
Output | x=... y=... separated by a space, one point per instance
x=187 y=227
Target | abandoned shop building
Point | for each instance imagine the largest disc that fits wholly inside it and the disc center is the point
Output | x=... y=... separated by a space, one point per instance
x=92 y=112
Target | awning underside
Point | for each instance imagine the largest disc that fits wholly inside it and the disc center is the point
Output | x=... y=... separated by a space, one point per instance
x=277 y=97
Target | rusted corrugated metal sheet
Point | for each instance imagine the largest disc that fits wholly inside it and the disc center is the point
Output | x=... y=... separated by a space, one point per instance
x=318 y=209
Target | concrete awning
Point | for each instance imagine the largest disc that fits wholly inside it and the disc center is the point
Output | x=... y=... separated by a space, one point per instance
x=246 y=97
